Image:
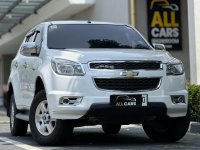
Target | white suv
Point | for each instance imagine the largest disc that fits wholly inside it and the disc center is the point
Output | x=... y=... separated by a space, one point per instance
x=68 y=74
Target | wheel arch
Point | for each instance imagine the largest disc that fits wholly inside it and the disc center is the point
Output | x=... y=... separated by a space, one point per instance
x=39 y=85
x=8 y=97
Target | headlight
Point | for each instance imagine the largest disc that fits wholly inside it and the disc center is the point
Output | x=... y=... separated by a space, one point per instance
x=175 y=68
x=66 y=67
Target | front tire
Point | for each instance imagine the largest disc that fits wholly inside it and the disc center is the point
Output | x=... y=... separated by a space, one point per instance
x=46 y=130
x=17 y=127
x=167 y=129
x=111 y=128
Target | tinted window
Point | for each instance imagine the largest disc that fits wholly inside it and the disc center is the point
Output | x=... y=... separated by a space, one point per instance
x=94 y=36
x=37 y=38
x=30 y=38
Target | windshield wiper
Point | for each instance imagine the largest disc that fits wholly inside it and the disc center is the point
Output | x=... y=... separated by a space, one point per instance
x=141 y=46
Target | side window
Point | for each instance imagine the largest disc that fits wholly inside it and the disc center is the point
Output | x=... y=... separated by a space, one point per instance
x=30 y=38
x=37 y=38
x=26 y=39
x=26 y=50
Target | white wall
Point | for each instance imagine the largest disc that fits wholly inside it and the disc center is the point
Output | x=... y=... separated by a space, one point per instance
x=106 y=10
x=194 y=39
x=192 y=45
x=197 y=36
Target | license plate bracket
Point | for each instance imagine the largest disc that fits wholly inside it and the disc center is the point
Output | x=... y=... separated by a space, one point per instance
x=128 y=100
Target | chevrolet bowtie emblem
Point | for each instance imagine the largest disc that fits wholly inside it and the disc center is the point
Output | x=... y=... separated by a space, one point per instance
x=129 y=74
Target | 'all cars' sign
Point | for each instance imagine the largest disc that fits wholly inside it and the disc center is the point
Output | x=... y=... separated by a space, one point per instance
x=164 y=23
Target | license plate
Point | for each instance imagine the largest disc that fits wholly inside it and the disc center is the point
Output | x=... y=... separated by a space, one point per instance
x=128 y=100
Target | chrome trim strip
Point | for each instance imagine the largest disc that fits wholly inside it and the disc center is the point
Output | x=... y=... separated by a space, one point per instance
x=159 y=84
x=126 y=61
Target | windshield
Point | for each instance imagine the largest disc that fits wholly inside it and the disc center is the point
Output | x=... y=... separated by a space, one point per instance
x=62 y=36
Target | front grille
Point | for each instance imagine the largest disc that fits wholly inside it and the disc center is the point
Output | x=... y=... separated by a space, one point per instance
x=129 y=84
x=147 y=65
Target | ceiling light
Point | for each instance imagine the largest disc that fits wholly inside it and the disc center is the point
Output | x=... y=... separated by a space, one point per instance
x=25 y=1
x=9 y=16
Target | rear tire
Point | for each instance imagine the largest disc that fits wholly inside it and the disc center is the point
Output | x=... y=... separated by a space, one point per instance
x=167 y=129
x=17 y=127
x=111 y=128
x=46 y=130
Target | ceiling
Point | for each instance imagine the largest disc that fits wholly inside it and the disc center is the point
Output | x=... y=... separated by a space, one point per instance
x=13 y=12
x=50 y=10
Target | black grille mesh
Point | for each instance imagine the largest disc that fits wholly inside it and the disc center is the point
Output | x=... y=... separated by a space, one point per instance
x=126 y=65
x=129 y=84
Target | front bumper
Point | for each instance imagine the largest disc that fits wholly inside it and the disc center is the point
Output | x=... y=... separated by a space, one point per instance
x=58 y=86
x=87 y=104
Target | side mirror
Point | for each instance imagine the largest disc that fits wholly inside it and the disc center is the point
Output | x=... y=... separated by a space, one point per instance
x=29 y=49
x=159 y=47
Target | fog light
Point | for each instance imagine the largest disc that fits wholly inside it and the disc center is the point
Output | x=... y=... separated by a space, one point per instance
x=176 y=99
x=70 y=100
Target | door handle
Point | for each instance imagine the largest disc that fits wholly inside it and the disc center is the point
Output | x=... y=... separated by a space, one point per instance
x=25 y=65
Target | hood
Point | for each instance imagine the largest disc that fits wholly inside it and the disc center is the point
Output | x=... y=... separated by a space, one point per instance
x=86 y=55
